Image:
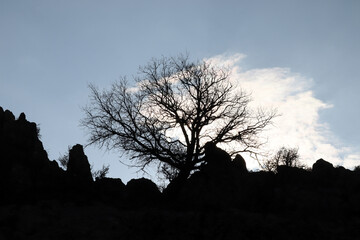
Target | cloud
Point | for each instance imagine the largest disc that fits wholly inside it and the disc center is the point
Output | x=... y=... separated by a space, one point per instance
x=299 y=124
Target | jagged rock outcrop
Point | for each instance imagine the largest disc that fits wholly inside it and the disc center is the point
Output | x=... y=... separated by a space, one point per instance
x=25 y=166
x=27 y=173
x=221 y=201
x=78 y=166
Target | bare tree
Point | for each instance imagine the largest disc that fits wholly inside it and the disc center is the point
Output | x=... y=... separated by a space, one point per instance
x=174 y=109
x=283 y=157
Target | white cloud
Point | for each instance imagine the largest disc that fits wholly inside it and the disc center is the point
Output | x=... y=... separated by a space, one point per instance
x=299 y=125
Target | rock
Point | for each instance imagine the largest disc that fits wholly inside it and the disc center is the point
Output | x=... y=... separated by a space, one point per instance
x=142 y=191
x=78 y=166
x=1 y=117
x=214 y=154
x=239 y=163
x=218 y=183
x=24 y=162
x=292 y=175
x=218 y=162
x=216 y=159
x=9 y=116
x=322 y=166
x=110 y=189
x=22 y=117
x=324 y=173
x=110 y=185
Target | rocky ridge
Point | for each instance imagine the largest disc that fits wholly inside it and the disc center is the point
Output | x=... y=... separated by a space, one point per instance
x=223 y=200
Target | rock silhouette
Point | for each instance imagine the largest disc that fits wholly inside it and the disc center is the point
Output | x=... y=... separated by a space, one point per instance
x=26 y=169
x=239 y=163
x=78 y=166
x=223 y=200
x=142 y=191
x=322 y=166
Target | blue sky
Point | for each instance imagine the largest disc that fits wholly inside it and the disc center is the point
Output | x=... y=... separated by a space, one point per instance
x=51 y=50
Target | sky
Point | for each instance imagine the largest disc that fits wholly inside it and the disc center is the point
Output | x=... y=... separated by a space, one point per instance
x=301 y=57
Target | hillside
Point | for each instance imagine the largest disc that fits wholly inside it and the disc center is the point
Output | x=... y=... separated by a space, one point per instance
x=40 y=200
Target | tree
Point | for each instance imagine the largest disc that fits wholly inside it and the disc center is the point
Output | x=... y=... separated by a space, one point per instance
x=174 y=109
x=283 y=157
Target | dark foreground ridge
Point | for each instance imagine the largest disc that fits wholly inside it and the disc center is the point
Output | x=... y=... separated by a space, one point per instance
x=40 y=200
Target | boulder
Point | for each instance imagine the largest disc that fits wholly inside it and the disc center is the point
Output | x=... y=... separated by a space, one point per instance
x=322 y=166
x=142 y=191
x=324 y=173
x=214 y=154
x=218 y=163
x=216 y=160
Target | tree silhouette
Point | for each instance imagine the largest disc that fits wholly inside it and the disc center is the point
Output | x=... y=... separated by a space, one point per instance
x=176 y=107
x=283 y=157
